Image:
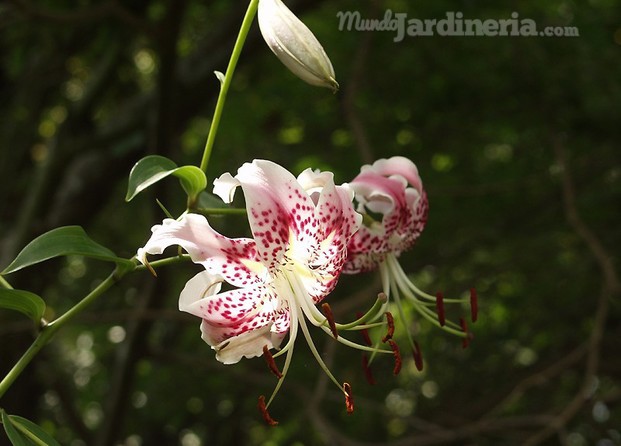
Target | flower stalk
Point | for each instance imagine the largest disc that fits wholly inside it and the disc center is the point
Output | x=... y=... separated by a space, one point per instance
x=226 y=81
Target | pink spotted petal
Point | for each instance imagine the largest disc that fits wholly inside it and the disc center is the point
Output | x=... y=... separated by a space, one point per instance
x=201 y=286
x=241 y=309
x=393 y=189
x=398 y=166
x=278 y=208
x=235 y=259
x=335 y=221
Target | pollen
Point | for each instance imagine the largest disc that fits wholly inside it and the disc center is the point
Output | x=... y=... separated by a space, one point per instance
x=395 y=351
x=269 y=359
x=349 y=398
x=266 y=415
x=327 y=311
x=391 y=327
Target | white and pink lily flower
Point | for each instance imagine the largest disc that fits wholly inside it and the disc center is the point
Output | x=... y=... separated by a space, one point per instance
x=390 y=195
x=301 y=228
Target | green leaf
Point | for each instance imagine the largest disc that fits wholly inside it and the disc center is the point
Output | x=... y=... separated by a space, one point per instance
x=15 y=437
x=23 y=301
x=151 y=169
x=192 y=179
x=207 y=200
x=67 y=240
x=147 y=171
x=33 y=431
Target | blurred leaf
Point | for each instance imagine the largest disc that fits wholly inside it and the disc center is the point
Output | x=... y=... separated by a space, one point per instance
x=23 y=301
x=33 y=431
x=67 y=240
x=153 y=168
x=15 y=437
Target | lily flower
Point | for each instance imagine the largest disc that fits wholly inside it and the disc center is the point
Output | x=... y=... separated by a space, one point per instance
x=390 y=196
x=301 y=228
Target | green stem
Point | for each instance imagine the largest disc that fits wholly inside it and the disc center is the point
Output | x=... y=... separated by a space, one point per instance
x=5 y=284
x=49 y=330
x=226 y=82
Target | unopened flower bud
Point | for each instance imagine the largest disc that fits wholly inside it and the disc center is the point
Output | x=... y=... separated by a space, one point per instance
x=295 y=45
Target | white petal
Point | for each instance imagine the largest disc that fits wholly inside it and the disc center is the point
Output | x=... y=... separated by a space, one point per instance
x=248 y=345
x=198 y=287
x=225 y=186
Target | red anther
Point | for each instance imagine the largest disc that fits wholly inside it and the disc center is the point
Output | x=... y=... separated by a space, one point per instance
x=391 y=327
x=349 y=398
x=367 y=370
x=418 y=357
x=440 y=308
x=327 y=311
x=465 y=342
x=270 y=362
x=266 y=416
x=397 y=355
x=474 y=305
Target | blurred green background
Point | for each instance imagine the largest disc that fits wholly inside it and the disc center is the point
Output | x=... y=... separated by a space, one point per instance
x=516 y=139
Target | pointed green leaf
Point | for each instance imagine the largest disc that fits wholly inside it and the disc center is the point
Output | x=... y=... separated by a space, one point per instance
x=67 y=240
x=151 y=169
x=33 y=431
x=147 y=171
x=23 y=301
x=15 y=437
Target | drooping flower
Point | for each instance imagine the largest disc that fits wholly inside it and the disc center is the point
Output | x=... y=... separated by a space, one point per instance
x=390 y=195
x=301 y=228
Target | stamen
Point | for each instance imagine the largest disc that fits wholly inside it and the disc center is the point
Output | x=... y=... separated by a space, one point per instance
x=365 y=333
x=397 y=355
x=150 y=268
x=418 y=357
x=327 y=311
x=270 y=362
x=349 y=398
x=266 y=416
x=367 y=370
x=391 y=327
x=465 y=342
x=474 y=305
x=440 y=308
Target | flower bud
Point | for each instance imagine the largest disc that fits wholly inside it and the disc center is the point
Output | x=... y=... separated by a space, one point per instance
x=295 y=45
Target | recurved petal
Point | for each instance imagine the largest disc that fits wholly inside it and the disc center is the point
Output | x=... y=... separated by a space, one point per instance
x=238 y=310
x=397 y=166
x=201 y=286
x=234 y=259
x=224 y=187
x=249 y=344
